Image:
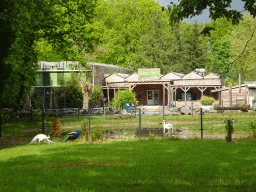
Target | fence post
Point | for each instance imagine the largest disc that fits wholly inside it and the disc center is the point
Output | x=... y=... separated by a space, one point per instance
x=43 y=118
x=192 y=106
x=135 y=110
x=222 y=107
x=78 y=113
x=140 y=122
x=106 y=111
x=201 y=123
x=163 y=111
x=89 y=126
x=0 y=121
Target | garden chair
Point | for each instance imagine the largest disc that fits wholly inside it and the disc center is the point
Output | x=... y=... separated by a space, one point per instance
x=167 y=126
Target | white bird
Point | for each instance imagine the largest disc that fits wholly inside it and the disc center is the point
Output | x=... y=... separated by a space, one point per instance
x=41 y=137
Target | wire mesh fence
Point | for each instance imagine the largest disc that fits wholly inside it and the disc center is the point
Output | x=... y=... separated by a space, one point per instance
x=144 y=122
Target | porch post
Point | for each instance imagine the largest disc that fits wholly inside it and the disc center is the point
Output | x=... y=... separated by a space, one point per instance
x=169 y=94
x=163 y=94
x=118 y=98
x=230 y=93
x=175 y=95
x=51 y=98
x=219 y=95
x=185 y=96
x=202 y=89
x=108 y=94
x=185 y=91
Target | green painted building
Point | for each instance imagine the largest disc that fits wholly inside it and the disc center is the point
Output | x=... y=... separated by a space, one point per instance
x=51 y=75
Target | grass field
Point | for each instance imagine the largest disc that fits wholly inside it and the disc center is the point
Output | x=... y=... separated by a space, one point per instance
x=138 y=165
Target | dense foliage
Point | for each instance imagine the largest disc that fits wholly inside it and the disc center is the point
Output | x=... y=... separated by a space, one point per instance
x=65 y=25
x=207 y=100
x=95 y=95
x=70 y=95
x=125 y=96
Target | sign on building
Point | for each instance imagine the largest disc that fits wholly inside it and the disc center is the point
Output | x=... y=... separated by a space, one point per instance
x=152 y=73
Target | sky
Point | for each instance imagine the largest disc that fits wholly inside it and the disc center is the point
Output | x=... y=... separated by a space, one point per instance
x=204 y=17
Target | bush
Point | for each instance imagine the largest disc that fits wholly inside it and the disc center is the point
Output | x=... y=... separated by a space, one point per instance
x=56 y=127
x=216 y=106
x=230 y=130
x=95 y=96
x=252 y=126
x=238 y=106
x=125 y=96
x=207 y=100
x=84 y=129
x=71 y=92
x=96 y=133
x=254 y=100
x=246 y=106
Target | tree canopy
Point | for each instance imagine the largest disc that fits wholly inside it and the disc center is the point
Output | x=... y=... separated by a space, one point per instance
x=217 y=8
x=64 y=24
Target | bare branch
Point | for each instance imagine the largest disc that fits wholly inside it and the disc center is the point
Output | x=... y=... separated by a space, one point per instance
x=244 y=48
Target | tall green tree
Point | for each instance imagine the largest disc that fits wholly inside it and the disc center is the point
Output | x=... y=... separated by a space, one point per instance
x=217 y=8
x=219 y=46
x=156 y=46
x=123 y=23
x=66 y=24
x=242 y=41
x=195 y=50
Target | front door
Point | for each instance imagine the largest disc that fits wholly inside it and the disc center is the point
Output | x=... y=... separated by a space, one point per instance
x=153 y=97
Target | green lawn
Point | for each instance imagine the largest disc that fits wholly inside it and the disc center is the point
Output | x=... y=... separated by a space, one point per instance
x=137 y=165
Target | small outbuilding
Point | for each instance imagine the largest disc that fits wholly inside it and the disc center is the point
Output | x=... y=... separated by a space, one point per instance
x=152 y=88
x=239 y=94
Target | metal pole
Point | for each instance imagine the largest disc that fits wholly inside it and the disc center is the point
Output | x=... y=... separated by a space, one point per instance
x=78 y=113
x=106 y=112
x=44 y=97
x=163 y=111
x=140 y=122
x=201 y=123
x=163 y=99
x=89 y=126
x=192 y=106
x=239 y=82
x=135 y=110
x=222 y=107
x=0 y=122
x=42 y=117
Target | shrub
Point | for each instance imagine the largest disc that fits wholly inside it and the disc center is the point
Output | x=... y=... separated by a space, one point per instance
x=246 y=106
x=84 y=129
x=95 y=95
x=230 y=130
x=151 y=136
x=96 y=134
x=238 y=106
x=254 y=100
x=216 y=106
x=207 y=100
x=125 y=96
x=56 y=127
x=71 y=92
x=252 y=126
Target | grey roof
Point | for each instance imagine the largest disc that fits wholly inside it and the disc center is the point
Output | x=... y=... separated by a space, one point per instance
x=61 y=64
x=103 y=65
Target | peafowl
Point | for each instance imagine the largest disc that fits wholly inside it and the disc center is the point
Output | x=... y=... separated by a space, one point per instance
x=71 y=136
